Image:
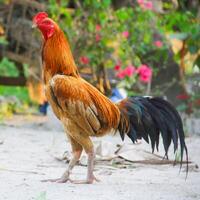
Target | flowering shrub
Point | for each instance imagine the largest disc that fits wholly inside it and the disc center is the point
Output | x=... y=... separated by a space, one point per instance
x=107 y=36
x=145 y=4
x=132 y=74
x=128 y=71
x=188 y=102
x=145 y=73
x=183 y=97
x=84 y=60
x=158 y=43
x=124 y=38
x=98 y=27
x=125 y=34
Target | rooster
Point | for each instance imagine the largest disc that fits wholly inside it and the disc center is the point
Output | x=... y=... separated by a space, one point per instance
x=85 y=112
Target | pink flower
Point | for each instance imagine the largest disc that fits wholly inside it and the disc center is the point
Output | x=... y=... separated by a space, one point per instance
x=121 y=74
x=117 y=67
x=129 y=70
x=125 y=34
x=98 y=27
x=84 y=60
x=140 y=1
x=148 y=5
x=98 y=37
x=158 y=43
x=145 y=73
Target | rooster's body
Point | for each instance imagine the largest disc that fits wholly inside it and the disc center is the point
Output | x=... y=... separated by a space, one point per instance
x=86 y=112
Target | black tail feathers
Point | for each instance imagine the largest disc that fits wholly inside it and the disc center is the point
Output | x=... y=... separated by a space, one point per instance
x=147 y=117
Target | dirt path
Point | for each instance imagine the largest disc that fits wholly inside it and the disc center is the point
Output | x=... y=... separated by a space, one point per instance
x=27 y=155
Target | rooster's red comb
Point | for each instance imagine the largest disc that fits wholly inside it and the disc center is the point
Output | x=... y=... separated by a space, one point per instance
x=40 y=16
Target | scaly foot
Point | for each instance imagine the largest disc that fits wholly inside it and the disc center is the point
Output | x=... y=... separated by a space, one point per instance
x=63 y=179
x=87 y=181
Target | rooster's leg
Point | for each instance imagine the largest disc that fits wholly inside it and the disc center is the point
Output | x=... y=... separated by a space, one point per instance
x=88 y=147
x=90 y=176
x=77 y=150
x=90 y=169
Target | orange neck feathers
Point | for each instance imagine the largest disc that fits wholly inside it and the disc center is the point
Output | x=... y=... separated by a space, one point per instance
x=57 y=56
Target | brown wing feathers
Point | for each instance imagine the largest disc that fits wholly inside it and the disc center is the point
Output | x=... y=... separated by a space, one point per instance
x=84 y=103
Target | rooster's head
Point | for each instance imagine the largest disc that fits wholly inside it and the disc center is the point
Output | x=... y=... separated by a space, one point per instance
x=46 y=25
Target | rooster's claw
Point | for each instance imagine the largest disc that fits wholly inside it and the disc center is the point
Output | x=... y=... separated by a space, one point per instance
x=57 y=180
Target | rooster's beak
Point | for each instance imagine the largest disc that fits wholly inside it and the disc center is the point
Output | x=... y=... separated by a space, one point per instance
x=34 y=25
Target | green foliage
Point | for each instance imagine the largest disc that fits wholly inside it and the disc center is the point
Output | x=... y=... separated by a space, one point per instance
x=127 y=35
x=197 y=61
x=8 y=68
x=14 y=100
x=6 y=110
x=3 y=41
x=26 y=70
x=190 y=103
x=20 y=93
x=97 y=31
x=184 y=25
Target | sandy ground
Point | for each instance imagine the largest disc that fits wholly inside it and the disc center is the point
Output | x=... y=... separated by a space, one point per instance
x=27 y=156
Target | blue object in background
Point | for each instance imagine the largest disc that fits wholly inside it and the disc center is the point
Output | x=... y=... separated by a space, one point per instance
x=118 y=94
x=43 y=108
